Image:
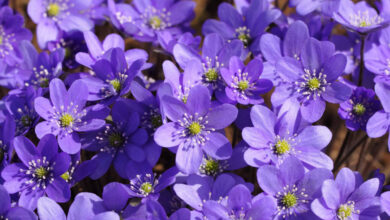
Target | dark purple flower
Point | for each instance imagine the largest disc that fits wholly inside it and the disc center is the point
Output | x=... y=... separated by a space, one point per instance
x=194 y=129
x=247 y=27
x=291 y=188
x=311 y=78
x=11 y=33
x=120 y=141
x=9 y=212
x=359 y=108
x=112 y=76
x=348 y=197
x=7 y=133
x=360 y=17
x=65 y=114
x=39 y=172
x=54 y=16
x=243 y=83
x=20 y=105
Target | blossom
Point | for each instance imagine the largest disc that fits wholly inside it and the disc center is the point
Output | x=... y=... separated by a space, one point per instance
x=359 y=108
x=117 y=142
x=193 y=129
x=147 y=20
x=247 y=27
x=54 y=16
x=113 y=76
x=291 y=188
x=311 y=79
x=7 y=133
x=347 y=197
x=11 y=33
x=243 y=83
x=39 y=172
x=65 y=114
x=8 y=212
x=274 y=138
x=360 y=17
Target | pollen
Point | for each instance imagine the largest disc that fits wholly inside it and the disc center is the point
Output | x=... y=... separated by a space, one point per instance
x=243 y=85
x=146 y=188
x=156 y=121
x=25 y=120
x=116 y=84
x=194 y=128
x=244 y=38
x=44 y=82
x=65 y=176
x=155 y=22
x=282 y=147
x=359 y=109
x=40 y=172
x=344 y=212
x=116 y=139
x=211 y=75
x=313 y=83
x=1 y=40
x=53 y=9
x=289 y=200
x=211 y=167
x=66 y=120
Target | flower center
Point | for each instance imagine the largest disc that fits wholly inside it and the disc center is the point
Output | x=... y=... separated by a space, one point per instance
x=184 y=99
x=26 y=120
x=211 y=75
x=1 y=40
x=116 y=84
x=66 y=120
x=359 y=109
x=155 y=22
x=194 y=128
x=313 y=83
x=116 y=139
x=210 y=167
x=289 y=200
x=65 y=176
x=243 y=85
x=282 y=147
x=344 y=211
x=156 y=121
x=146 y=188
x=43 y=82
x=40 y=172
x=244 y=38
x=53 y=9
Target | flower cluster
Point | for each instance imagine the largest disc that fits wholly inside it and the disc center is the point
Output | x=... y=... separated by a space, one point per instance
x=245 y=121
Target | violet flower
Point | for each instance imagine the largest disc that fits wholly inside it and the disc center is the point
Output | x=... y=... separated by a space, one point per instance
x=15 y=212
x=65 y=114
x=39 y=172
x=194 y=129
x=348 y=197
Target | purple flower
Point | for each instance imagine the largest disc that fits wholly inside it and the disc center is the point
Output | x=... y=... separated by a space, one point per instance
x=311 y=78
x=73 y=43
x=240 y=205
x=38 y=70
x=8 y=212
x=347 y=197
x=199 y=190
x=65 y=114
x=243 y=83
x=78 y=170
x=291 y=188
x=193 y=129
x=247 y=27
x=54 y=16
x=98 y=50
x=120 y=141
x=205 y=69
x=360 y=17
x=113 y=76
x=379 y=123
x=20 y=105
x=145 y=20
x=376 y=60
x=385 y=202
x=359 y=108
x=39 y=172
x=7 y=133
x=11 y=33
x=274 y=138
x=305 y=7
